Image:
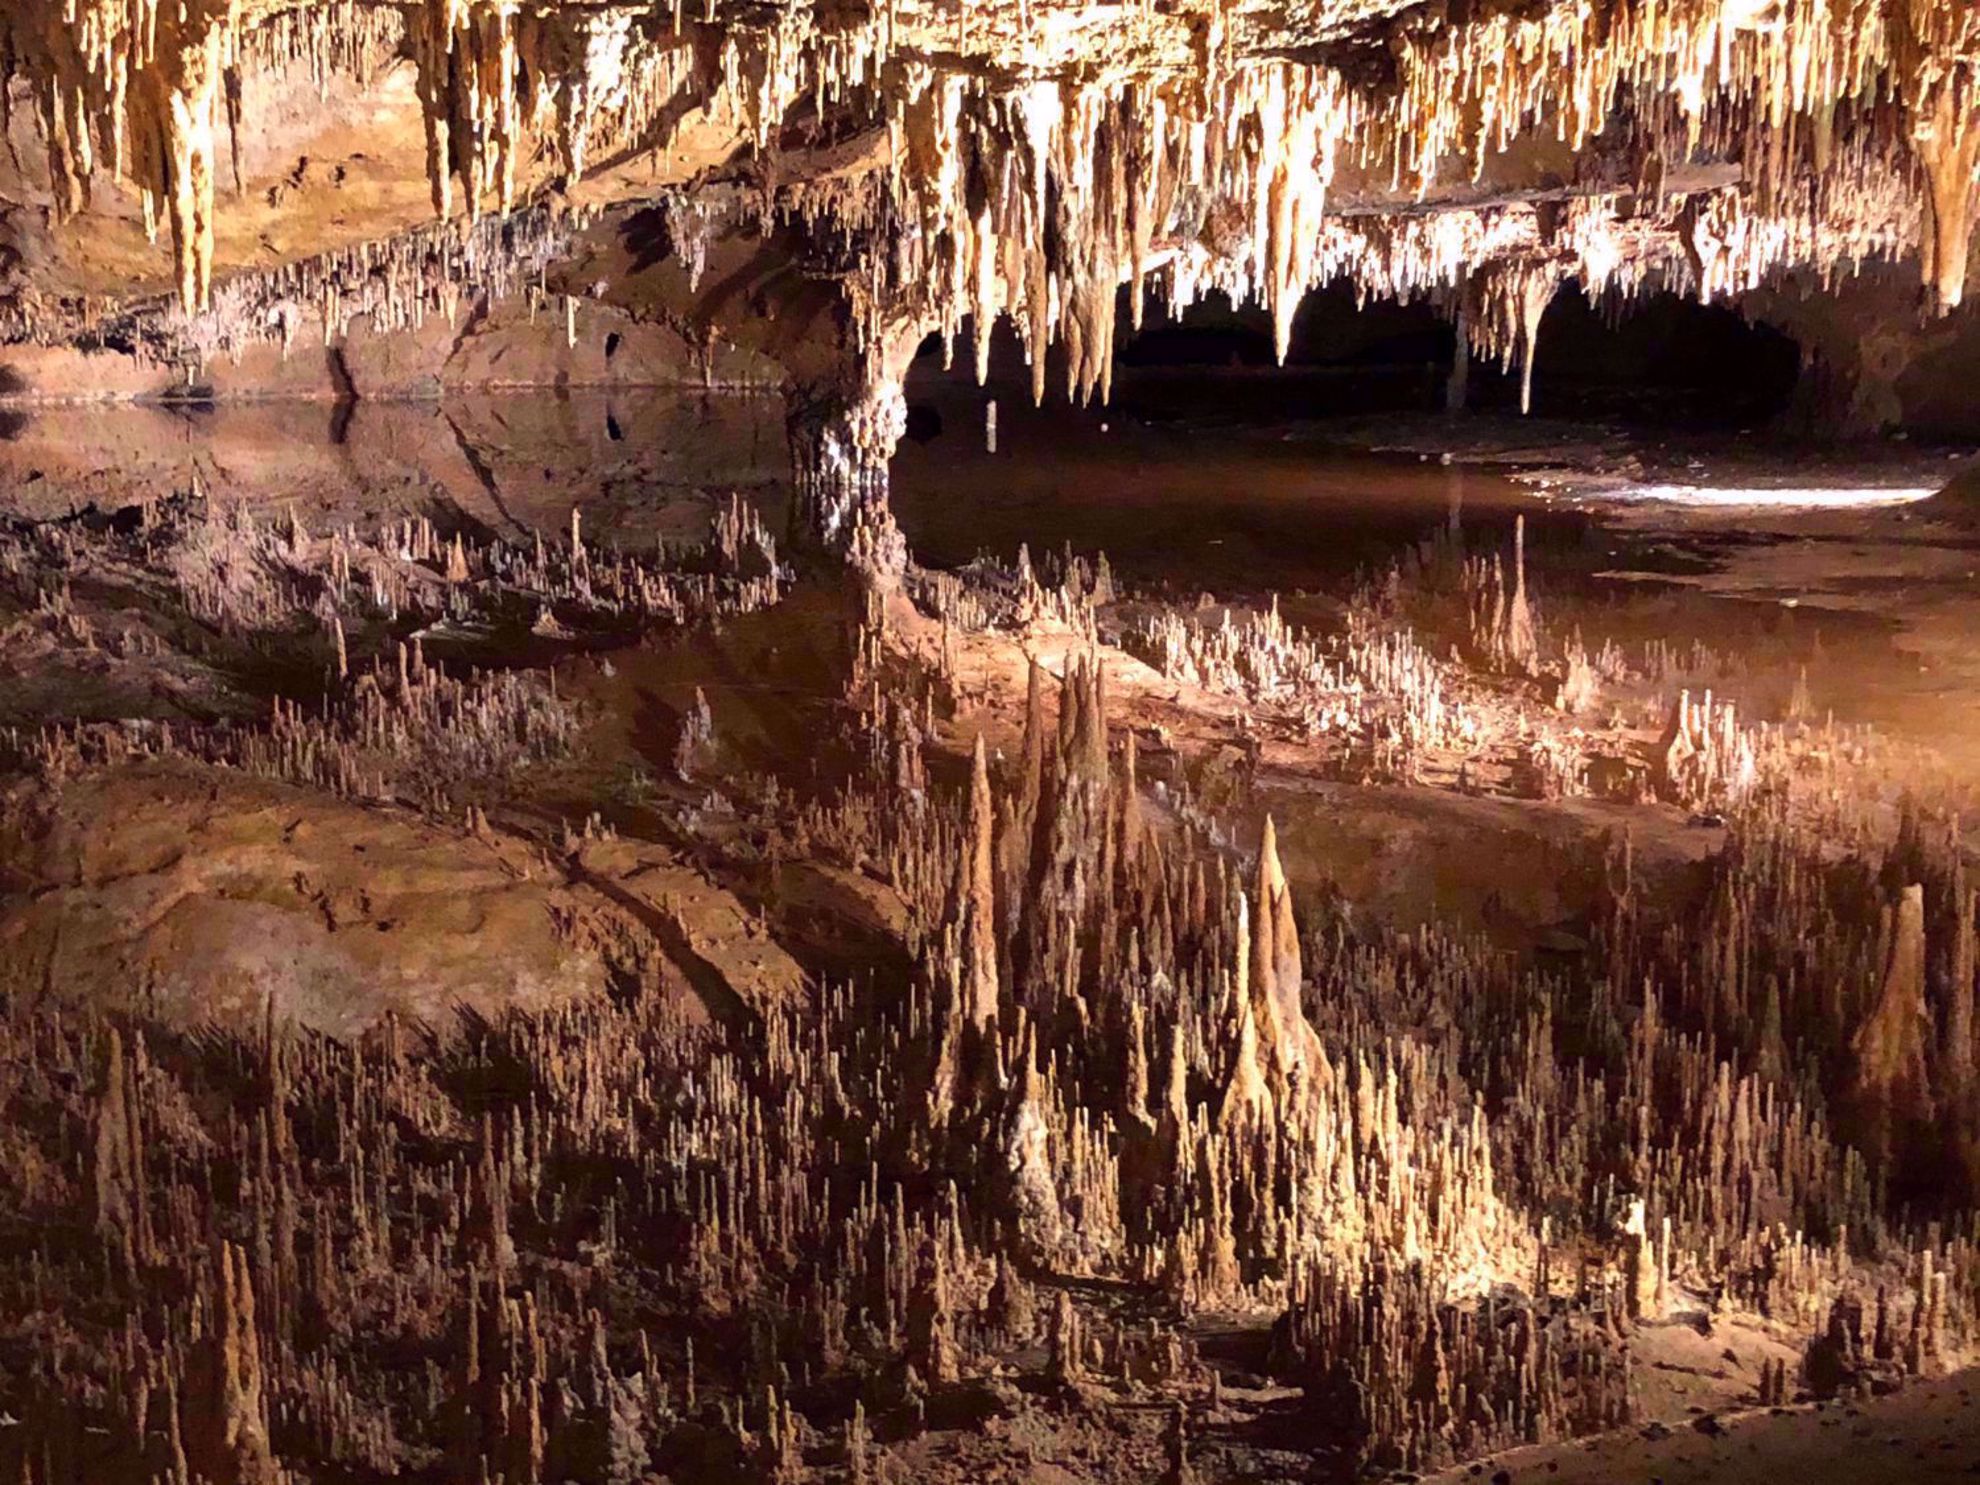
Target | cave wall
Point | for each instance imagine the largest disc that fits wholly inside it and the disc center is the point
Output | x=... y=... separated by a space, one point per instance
x=1874 y=360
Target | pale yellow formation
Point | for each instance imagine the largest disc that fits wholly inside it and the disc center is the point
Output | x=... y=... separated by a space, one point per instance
x=1939 y=48
x=132 y=86
x=1039 y=158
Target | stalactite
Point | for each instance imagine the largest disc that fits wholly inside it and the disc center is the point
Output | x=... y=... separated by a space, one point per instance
x=1938 y=52
x=134 y=88
x=1039 y=202
x=1103 y=1052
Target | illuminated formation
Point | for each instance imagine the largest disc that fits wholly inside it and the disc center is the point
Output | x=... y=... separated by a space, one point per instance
x=1736 y=141
x=625 y=972
x=1110 y=1053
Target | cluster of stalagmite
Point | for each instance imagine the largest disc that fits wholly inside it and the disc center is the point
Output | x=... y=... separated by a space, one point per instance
x=1418 y=1383
x=1443 y=671
x=385 y=738
x=1707 y=759
x=566 y=1245
x=1376 y=692
x=1502 y=628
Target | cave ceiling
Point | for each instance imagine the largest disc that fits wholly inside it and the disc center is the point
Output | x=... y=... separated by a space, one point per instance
x=193 y=177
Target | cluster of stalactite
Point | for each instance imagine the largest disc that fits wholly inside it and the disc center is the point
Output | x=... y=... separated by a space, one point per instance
x=138 y=89
x=135 y=88
x=589 y=82
x=393 y=726
x=1039 y=203
x=396 y=284
x=1785 y=91
x=1832 y=132
x=326 y=40
x=448 y=270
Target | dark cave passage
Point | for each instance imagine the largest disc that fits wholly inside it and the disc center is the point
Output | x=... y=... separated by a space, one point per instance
x=1660 y=360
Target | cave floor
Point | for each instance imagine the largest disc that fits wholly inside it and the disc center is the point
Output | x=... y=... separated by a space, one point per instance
x=650 y=766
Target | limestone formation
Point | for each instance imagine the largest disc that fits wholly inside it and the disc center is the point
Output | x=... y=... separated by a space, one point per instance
x=1030 y=1009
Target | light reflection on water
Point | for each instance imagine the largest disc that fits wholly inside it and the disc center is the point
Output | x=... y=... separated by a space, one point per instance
x=1784 y=497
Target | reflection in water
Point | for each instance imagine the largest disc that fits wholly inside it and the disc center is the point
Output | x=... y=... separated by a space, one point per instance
x=647 y=465
x=1786 y=497
x=1239 y=508
x=1234 y=508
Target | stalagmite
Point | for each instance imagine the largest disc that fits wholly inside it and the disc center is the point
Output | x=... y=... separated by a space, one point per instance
x=1891 y=1045
x=979 y=930
x=231 y=1443
x=1520 y=645
x=1265 y=1117
x=119 y=1183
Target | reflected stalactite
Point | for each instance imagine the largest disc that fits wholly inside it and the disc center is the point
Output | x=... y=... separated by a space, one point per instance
x=839 y=453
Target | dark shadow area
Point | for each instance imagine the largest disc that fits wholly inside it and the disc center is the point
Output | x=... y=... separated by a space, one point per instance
x=1660 y=361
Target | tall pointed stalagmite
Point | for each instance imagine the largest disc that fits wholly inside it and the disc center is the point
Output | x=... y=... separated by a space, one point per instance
x=1890 y=1046
x=1275 y=935
x=118 y=1185
x=1247 y=1098
x=979 y=921
x=226 y=1430
x=1957 y=1052
x=1288 y=1045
